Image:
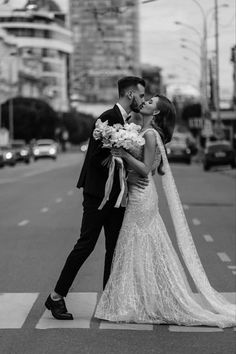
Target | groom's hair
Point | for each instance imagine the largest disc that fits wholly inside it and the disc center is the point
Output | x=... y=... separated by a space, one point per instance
x=128 y=82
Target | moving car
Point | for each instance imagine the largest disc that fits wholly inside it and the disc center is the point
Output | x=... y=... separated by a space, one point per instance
x=178 y=151
x=22 y=151
x=9 y=155
x=45 y=148
x=218 y=153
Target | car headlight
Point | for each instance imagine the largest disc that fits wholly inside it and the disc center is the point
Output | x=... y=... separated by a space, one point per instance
x=9 y=155
x=36 y=151
x=188 y=151
x=52 y=151
x=24 y=152
x=168 y=150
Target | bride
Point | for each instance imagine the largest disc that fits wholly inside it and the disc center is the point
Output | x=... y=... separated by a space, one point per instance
x=148 y=283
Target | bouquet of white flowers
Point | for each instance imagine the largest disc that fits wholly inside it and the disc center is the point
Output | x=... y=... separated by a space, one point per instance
x=117 y=136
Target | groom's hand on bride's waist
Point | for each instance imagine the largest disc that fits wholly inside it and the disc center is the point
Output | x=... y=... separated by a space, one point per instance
x=139 y=181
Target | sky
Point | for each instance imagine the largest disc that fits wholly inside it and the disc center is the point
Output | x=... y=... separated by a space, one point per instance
x=161 y=38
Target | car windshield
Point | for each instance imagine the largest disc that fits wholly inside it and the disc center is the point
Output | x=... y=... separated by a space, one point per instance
x=48 y=143
x=16 y=145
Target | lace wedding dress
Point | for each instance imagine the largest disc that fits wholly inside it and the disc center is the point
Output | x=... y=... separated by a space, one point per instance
x=147 y=282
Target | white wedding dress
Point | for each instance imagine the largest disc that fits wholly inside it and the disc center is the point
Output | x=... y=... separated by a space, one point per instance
x=147 y=282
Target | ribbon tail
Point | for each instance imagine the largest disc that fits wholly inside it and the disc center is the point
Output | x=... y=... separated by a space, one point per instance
x=108 y=185
x=122 y=185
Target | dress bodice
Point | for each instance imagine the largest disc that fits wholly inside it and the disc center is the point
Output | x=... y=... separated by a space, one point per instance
x=138 y=152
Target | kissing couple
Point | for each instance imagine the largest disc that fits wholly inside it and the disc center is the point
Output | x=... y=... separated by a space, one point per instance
x=144 y=281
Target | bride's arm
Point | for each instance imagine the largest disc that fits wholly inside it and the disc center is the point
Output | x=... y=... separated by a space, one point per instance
x=141 y=167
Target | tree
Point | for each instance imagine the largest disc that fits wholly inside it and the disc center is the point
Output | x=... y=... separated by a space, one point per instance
x=32 y=118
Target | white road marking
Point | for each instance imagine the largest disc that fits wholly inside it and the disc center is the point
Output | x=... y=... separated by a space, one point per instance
x=196 y=222
x=208 y=238
x=44 y=210
x=14 y=308
x=82 y=305
x=234 y=272
x=223 y=257
x=231 y=266
x=194 y=329
x=185 y=206
x=70 y=193
x=58 y=200
x=23 y=222
x=126 y=326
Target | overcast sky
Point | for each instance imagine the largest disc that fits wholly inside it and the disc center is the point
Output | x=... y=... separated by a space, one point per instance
x=161 y=38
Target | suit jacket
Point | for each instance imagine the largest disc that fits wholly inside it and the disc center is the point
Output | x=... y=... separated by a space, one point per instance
x=93 y=175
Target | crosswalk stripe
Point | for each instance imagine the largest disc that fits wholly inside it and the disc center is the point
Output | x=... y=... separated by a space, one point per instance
x=82 y=305
x=126 y=326
x=194 y=329
x=14 y=308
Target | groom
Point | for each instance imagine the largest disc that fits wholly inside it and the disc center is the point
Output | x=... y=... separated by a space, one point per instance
x=93 y=179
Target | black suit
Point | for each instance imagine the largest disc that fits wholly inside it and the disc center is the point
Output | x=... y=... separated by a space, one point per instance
x=93 y=179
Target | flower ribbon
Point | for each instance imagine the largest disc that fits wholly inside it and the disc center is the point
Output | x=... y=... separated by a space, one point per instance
x=121 y=200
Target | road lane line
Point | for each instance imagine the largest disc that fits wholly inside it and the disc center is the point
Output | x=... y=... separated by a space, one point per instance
x=82 y=305
x=186 y=207
x=231 y=266
x=208 y=238
x=23 y=222
x=58 y=200
x=196 y=222
x=70 y=193
x=44 y=210
x=223 y=257
x=14 y=308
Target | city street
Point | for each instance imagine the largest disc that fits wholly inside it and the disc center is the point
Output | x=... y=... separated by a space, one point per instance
x=40 y=218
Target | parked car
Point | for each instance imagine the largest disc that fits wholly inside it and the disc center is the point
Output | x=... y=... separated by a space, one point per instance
x=218 y=153
x=22 y=151
x=45 y=148
x=1 y=159
x=178 y=151
x=9 y=155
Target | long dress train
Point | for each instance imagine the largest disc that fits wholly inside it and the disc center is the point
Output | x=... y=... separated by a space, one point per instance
x=147 y=282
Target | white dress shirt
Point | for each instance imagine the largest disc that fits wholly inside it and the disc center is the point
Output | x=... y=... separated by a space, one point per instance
x=122 y=111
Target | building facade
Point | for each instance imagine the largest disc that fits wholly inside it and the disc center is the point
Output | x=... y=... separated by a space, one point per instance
x=106 y=46
x=43 y=48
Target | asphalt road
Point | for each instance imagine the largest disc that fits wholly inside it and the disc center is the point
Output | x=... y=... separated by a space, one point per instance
x=40 y=217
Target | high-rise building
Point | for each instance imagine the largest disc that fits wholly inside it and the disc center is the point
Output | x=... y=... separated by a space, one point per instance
x=43 y=45
x=106 y=46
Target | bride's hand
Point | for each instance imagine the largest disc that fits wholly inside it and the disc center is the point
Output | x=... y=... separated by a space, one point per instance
x=119 y=152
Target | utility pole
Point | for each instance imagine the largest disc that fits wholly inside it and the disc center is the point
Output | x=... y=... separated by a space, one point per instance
x=218 y=117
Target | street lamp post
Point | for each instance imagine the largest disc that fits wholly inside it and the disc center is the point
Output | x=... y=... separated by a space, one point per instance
x=217 y=90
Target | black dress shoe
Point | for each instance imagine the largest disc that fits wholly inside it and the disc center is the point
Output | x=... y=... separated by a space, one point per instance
x=58 y=309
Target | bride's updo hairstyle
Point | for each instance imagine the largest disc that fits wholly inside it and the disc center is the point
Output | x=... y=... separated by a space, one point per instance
x=164 y=122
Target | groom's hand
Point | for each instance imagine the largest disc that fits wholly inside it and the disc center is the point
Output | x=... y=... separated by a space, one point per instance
x=140 y=182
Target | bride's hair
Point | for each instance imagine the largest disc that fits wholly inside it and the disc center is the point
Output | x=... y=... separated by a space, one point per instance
x=164 y=122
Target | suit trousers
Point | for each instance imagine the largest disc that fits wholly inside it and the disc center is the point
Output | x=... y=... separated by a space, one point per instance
x=93 y=221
